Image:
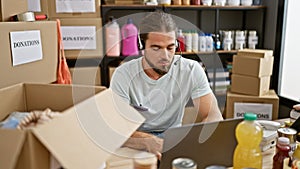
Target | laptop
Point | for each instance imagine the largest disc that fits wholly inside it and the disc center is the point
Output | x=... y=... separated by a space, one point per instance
x=211 y=143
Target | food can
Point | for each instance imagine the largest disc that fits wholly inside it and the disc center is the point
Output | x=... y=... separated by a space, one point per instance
x=290 y=133
x=183 y=163
x=215 y=167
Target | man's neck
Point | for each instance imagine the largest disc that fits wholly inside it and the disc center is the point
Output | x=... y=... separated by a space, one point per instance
x=150 y=71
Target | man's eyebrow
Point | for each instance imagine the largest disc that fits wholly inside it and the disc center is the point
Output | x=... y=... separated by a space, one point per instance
x=170 y=45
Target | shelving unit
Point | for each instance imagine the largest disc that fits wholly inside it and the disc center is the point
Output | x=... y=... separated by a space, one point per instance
x=216 y=21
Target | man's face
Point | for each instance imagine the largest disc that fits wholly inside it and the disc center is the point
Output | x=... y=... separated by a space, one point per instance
x=160 y=49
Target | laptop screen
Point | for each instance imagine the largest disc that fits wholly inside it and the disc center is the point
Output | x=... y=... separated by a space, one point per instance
x=211 y=143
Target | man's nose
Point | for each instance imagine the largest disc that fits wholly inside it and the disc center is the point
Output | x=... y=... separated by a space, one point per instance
x=165 y=53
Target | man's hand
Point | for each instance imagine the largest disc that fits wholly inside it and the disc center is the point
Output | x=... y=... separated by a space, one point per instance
x=144 y=141
x=297 y=107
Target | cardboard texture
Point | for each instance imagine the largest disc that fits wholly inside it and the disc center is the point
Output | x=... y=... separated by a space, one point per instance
x=44 y=8
x=10 y=8
x=82 y=54
x=269 y=98
x=41 y=71
x=86 y=75
x=250 y=85
x=54 y=14
x=252 y=66
x=256 y=52
x=68 y=138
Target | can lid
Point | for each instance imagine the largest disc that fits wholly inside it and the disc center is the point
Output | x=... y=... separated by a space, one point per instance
x=250 y=116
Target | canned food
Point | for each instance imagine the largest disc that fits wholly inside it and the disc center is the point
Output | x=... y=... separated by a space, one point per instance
x=183 y=163
x=290 y=133
x=145 y=160
x=215 y=167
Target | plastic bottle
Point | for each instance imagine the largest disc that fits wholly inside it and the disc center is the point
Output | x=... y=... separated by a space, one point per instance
x=233 y=2
x=164 y=2
x=247 y=153
x=246 y=2
x=202 y=42
x=252 y=40
x=181 y=41
x=282 y=151
x=188 y=41
x=206 y=2
x=296 y=158
x=219 y=2
x=227 y=40
x=195 y=41
x=217 y=42
x=209 y=43
x=113 y=40
x=129 y=39
x=239 y=39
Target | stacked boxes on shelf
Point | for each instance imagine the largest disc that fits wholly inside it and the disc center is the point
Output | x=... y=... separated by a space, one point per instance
x=81 y=27
x=250 y=85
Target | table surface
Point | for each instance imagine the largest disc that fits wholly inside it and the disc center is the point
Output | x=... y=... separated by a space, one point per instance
x=123 y=158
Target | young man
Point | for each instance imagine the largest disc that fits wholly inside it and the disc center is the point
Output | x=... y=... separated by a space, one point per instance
x=162 y=83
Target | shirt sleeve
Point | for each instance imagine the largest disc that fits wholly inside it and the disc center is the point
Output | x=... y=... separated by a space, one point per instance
x=119 y=84
x=200 y=83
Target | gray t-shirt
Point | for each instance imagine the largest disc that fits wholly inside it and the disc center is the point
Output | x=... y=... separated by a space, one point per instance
x=164 y=98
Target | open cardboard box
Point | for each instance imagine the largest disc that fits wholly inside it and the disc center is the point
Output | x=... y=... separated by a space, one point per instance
x=94 y=123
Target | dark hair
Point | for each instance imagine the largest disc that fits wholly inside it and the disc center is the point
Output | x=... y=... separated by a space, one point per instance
x=157 y=21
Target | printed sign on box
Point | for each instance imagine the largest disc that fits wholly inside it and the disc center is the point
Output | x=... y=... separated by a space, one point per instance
x=26 y=46
x=79 y=37
x=71 y=6
x=263 y=111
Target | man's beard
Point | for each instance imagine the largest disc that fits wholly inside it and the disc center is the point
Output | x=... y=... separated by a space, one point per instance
x=157 y=70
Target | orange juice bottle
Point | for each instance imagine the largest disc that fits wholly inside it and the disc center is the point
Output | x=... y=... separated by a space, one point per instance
x=247 y=153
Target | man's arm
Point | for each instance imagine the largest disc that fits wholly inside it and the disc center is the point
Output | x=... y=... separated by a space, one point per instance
x=144 y=141
x=207 y=107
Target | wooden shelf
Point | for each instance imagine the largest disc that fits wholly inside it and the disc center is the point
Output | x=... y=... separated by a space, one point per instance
x=201 y=7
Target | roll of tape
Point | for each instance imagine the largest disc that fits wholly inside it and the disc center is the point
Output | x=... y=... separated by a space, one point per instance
x=26 y=16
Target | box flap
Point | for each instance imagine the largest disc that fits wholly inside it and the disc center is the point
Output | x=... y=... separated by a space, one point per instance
x=86 y=134
x=256 y=52
x=10 y=147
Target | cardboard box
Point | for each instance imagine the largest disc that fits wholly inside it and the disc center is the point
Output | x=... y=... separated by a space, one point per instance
x=41 y=71
x=252 y=66
x=269 y=98
x=256 y=86
x=10 y=8
x=39 y=7
x=80 y=52
x=80 y=138
x=72 y=12
x=256 y=52
x=86 y=75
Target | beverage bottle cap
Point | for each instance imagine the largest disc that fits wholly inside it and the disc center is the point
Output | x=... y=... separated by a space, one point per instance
x=283 y=141
x=250 y=116
x=129 y=21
